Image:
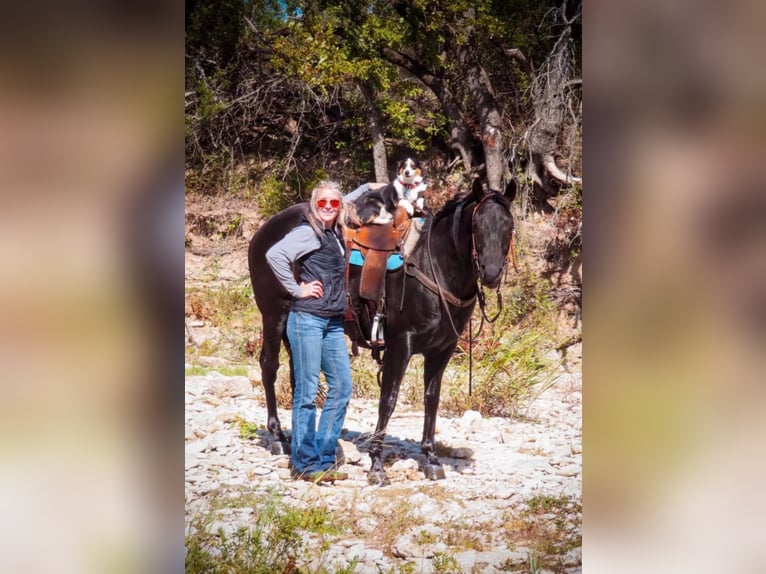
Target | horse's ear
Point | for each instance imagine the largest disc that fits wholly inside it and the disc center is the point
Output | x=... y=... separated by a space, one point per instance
x=477 y=189
x=510 y=189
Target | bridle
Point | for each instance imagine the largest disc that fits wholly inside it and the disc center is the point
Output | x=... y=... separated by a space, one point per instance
x=480 y=290
x=475 y=256
x=444 y=295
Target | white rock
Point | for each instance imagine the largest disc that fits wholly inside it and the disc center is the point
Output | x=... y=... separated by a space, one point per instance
x=196 y=446
x=469 y=419
x=462 y=453
x=349 y=451
x=207 y=361
x=404 y=464
x=254 y=375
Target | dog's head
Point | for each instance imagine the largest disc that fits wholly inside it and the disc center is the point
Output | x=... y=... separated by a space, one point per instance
x=409 y=171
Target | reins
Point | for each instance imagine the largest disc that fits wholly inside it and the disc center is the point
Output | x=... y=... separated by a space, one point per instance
x=448 y=297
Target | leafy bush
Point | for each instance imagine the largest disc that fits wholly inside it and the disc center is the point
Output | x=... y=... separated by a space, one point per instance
x=274 y=196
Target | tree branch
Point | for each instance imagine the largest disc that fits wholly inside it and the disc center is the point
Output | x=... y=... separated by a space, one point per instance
x=519 y=56
x=556 y=173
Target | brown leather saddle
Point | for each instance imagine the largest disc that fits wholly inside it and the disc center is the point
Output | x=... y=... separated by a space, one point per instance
x=376 y=243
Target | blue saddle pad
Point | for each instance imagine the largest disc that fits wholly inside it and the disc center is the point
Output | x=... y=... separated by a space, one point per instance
x=394 y=262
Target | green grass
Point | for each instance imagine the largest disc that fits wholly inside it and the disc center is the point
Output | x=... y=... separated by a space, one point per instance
x=277 y=538
x=225 y=370
x=508 y=362
x=248 y=431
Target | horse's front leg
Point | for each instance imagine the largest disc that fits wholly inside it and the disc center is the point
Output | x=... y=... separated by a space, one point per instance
x=394 y=366
x=433 y=368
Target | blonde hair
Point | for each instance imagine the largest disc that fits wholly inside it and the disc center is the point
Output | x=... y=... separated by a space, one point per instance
x=313 y=215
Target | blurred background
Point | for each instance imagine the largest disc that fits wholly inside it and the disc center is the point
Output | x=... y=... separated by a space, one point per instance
x=675 y=303
x=91 y=295
x=91 y=288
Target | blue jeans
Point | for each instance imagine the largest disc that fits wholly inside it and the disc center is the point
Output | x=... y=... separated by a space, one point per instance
x=317 y=343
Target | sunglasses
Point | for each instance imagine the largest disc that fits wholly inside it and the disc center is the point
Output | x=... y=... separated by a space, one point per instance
x=334 y=203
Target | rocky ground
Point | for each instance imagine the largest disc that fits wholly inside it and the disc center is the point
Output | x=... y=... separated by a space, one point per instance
x=494 y=468
x=511 y=500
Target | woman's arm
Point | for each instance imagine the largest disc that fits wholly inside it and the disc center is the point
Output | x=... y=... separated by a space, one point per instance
x=288 y=250
x=354 y=195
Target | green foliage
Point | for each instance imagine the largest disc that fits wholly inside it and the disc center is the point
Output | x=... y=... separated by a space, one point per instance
x=401 y=568
x=364 y=373
x=273 y=541
x=209 y=104
x=274 y=196
x=232 y=310
x=253 y=66
x=214 y=29
x=209 y=174
x=248 y=431
x=219 y=305
x=400 y=114
x=445 y=563
x=308 y=184
x=550 y=526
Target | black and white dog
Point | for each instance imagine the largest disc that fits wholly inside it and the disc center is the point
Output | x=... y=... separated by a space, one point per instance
x=377 y=206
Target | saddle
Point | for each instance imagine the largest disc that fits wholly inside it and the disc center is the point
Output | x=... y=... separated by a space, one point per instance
x=376 y=244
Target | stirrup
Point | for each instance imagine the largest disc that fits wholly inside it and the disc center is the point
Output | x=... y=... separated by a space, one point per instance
x=376 y=336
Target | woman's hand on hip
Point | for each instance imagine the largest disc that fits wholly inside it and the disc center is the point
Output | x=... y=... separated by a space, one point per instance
x=312 y=289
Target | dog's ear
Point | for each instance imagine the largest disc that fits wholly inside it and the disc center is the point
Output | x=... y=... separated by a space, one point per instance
x=351 y=216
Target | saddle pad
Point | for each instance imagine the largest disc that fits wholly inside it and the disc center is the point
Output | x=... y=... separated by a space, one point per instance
x=394 y=262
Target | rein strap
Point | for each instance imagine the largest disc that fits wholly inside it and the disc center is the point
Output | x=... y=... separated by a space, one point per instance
x=411 y=269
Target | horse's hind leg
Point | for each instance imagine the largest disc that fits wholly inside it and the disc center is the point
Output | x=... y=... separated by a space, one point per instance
x=433 y=369
x=273 y=334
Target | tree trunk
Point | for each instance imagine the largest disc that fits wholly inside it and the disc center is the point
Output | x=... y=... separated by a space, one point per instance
x=376 y=134
x=486 y=108
x=460 y=139
x=549 y=86
x=460 y=136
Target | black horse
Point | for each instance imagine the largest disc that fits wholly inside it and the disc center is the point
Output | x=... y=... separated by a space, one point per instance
x=428 y=304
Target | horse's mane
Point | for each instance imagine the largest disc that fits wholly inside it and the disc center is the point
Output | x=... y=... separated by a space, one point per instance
x=466 y=197
x=451 y=205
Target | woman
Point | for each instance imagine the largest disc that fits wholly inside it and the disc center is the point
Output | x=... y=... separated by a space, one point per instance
x=315 y=330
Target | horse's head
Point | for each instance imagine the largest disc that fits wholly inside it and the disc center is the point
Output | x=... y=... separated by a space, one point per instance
x=492 y=230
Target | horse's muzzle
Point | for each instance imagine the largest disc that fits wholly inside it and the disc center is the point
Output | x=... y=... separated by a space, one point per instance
x=491 y=275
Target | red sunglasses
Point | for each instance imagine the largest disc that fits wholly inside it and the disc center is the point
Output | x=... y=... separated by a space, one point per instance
x=334 y=203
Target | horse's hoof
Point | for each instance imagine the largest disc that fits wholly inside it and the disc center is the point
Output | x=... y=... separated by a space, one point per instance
x=378 y=478
x=434 y=472
x=279 y=447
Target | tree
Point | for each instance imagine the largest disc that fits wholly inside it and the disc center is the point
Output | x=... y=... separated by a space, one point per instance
x=554 y=102
x=312 y=79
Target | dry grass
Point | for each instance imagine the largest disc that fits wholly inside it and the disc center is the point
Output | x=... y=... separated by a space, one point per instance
x=550 y=526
